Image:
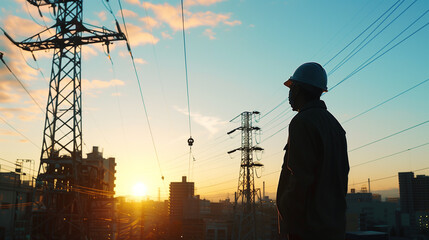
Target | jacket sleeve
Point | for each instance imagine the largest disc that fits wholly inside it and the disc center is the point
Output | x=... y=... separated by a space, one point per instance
x=301 y=162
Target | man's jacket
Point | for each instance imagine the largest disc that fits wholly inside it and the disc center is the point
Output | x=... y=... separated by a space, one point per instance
x=313 y=181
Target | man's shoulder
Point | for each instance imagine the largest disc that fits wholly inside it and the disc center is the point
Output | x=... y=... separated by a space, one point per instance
x=310 y=115
x=314 y=117
x=302 y=119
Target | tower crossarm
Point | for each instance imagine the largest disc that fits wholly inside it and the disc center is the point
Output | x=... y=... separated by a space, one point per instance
x=39 y=3
x=89 y=35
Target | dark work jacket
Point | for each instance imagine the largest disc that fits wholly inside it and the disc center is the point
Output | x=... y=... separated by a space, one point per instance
x=313 y=181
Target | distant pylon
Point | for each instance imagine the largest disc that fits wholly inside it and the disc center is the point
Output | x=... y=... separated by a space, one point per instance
x=62 y=211
x=244 y=205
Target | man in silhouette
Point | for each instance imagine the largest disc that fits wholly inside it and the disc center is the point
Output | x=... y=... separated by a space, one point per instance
x=313 y=181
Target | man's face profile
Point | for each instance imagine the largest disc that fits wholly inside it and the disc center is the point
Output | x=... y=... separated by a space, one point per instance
x=292 y=96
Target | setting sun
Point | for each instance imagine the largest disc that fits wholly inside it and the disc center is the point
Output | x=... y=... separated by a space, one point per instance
x=139 y=189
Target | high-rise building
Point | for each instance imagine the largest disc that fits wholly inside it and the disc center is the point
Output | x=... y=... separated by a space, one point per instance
x=414 y=200
x=413 y=192
x=406 y=191
x=99 y=173
x=182 y=205
x=105 y=168
x=180 y=192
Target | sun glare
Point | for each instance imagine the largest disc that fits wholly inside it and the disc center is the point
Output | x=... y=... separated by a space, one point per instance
x=139 y=189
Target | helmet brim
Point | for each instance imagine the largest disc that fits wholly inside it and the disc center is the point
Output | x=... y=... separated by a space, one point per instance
x=288 y=83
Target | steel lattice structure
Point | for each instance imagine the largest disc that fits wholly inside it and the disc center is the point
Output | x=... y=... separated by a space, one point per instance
x=61 y=212
x=245 y=198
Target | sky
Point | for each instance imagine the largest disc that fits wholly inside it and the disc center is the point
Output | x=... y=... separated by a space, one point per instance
x=239 y=53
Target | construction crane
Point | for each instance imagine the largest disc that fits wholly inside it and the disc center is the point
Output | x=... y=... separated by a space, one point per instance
x=244 y=225
x=61 y=212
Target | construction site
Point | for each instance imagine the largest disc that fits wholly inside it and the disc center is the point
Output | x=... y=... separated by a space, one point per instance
x=115 y=152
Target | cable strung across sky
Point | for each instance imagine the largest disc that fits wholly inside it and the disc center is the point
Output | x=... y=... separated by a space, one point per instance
x=141 y=93
x=221 y=41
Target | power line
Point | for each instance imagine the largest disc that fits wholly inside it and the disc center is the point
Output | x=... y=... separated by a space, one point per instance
x=281 y=103
x=229 y=188
x=272 y=135
x=23 y=86
x=186 y=68
x=17 y=131
x=346 y=26
x=15 y=164
x=366 y=111
x=366 y=63
x=278 y=116
x=392 y=176
x=158 y=71
x=360 y=34
x=369 y=61
x=391 y=135
x=390 y=155
x=354 y=52
x=377 y=159
x=141 y=93
x=41 y=16
x=20 y=82
x=388 y=100
x=273 y=127
x=190 y=140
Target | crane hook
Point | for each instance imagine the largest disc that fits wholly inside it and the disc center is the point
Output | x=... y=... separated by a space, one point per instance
x=190 y=141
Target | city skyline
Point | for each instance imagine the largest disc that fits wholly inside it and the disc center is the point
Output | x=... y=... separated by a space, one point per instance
x=239 y=54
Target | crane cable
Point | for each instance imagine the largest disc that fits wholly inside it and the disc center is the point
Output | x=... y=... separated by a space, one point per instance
x=190 y=140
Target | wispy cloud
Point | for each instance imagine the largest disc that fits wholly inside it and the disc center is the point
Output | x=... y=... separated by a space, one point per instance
x=16 y=26
x=150 y=22
x=171 y=15
x=140 y=61
x=139 y=37
x=7 y=95
x=136 y=2
x=34 y=12
x=4 y=132
x=165 y=35
x=27 y=113
x=210 y=123
x=88 y=52
x=15 y=58
x=102 y=16
x=127 y=13
x=232 y=23
x=98 y=84
x=95 y=87
x=202 y=2
x=209 y=33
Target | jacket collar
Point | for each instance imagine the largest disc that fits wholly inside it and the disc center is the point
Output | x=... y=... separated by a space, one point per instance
x=314 y=104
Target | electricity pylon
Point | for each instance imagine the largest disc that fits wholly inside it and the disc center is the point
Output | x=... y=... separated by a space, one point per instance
x=244 y=205
x=61 y=211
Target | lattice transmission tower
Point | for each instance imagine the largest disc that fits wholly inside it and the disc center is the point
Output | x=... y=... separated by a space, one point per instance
x=244 y=226
x=61 y=211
